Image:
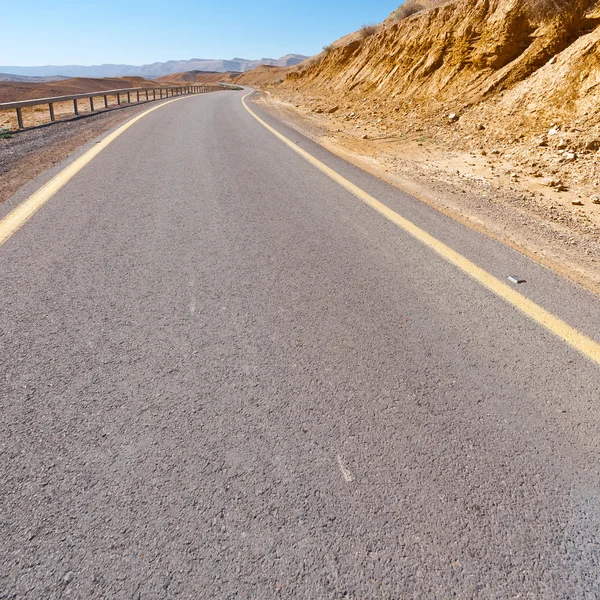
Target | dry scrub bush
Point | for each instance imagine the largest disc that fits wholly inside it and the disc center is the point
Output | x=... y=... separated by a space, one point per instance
x=410 y=7
x=407 y=9
x=367 y=30
x=543 y=9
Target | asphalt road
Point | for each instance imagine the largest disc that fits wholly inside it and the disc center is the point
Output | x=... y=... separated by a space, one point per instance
x=224 y=376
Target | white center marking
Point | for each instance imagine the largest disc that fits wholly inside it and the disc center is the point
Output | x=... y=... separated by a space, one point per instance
x=345 y=472
x=193 y=300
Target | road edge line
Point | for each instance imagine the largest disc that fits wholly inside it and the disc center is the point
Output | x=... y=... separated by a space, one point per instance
x=559 y=328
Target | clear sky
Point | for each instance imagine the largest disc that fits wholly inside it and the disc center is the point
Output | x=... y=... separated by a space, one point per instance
x=63 y=32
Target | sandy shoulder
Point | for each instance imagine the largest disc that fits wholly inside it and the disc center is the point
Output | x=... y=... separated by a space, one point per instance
x=479 y=191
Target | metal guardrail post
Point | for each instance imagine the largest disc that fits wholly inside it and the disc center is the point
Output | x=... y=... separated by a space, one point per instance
x=119 y=99
x=75 y=107
x=91 y=104
x=105 y=101
x=128 y=97
x=20 y=118
x=51 y=109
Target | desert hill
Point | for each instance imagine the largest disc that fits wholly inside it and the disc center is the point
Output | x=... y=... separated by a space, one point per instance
x=263 y=75
x=198 y=77
x=26 y=79
x=466 y=51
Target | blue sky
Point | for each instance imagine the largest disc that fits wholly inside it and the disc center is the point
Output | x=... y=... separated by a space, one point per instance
x=135 y=32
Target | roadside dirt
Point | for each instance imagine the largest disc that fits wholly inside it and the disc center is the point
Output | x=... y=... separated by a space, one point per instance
x=481 y=189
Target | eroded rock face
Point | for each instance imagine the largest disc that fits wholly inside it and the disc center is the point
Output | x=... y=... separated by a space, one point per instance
x=463 y=50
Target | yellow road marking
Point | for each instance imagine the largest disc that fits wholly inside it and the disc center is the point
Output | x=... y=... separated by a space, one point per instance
x=558 y=327
x=24 y=211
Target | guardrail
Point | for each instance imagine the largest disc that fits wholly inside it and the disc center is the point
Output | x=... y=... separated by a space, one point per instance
x=141 y=95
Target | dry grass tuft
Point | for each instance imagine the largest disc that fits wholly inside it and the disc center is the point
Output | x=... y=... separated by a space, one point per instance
x=544 y=9
x=367 y=30
x=411 y=7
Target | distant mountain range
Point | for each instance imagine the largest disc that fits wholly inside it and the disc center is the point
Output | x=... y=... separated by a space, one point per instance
x=154 y=69
x=26 y=79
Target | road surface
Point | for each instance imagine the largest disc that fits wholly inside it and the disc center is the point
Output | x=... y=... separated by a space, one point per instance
x=226 y=376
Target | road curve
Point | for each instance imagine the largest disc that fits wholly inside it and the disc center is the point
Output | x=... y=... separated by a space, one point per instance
x=223 y=375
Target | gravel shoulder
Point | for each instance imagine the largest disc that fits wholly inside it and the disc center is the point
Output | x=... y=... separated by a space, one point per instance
x=484 y=195
x=29 y=153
